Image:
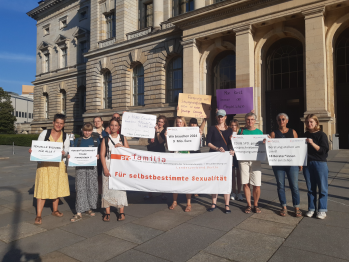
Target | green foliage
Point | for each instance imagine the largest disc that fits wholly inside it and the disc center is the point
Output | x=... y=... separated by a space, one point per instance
x=7 y=120
x=20 y=140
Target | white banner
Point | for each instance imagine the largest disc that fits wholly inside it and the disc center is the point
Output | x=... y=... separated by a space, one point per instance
x=287 y=151
x=183 y=138
x=249 y=147
x=138 y=125
x=136 y=170
x=45 y=151
x=83 y=156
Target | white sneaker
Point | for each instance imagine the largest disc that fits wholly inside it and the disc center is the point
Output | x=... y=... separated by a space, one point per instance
x=240 y=197
x=233 y=196
x=309 y=213
x=321 y=215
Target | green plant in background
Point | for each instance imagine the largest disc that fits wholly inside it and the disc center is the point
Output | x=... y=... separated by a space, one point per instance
x=7 y=119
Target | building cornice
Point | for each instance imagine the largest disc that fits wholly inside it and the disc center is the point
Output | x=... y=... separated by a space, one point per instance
x=43 y=7
x=59 y=77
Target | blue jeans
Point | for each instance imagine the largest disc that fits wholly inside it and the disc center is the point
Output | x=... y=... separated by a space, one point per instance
x=316 y=176
x=72 y=143
x=292 y=176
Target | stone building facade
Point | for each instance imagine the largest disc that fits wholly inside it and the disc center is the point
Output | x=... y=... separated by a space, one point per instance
x=142 y=53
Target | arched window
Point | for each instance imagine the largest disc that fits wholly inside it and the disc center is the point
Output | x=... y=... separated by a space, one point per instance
x=174 y=80
x=342 y=58
x=138 y=86
x=82 y=99
x=285 y=65
x=63 y=102
x=224 y=71
x=46 y=107
x=107 y=90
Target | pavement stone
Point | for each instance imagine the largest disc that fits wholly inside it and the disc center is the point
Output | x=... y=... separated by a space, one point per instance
x=10 y=233
x=134 y=233
x=273 y=215
x=98 y=248
x=336 y=219
x=24 y=204
x=163 y=220
x=287 y=254
x=51 y=222
x=266 y=227
x=15 y=218
x=4 y=210
x=319 y=238
x=181 y=243
x=144 y=209
x=242 y=245
x=3 y=202
x=56 y=257
x=136 y=256
x=206 y=257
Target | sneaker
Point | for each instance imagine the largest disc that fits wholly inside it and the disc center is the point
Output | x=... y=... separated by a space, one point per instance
x=309 y=213
x=321 y=215
x=240 y=197
x=233 y=196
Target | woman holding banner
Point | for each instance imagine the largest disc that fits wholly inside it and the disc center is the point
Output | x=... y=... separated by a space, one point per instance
x=157 y=144
x=290 y=171
x=180 y=122
x=51 y=181
x=316 y=171
x=111 y=197
x=219 y=139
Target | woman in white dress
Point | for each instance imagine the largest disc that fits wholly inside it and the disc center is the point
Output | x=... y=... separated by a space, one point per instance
x=111 y=197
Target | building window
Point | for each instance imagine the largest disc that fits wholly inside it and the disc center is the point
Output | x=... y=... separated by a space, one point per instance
x=64 y=61
x=30 y=115
x=110 y=22
x=22 y=114
x=46 y=30
x=107 y=90
x=83 y=49
x=224 y=73
x=46 y=106
x=25 y=115
x=174 y=84
x=63 y=23
x=148 y=16
x=82 y=99
x=285 y=65
x=138 y=86
x=16 y=113
x=83 y=15
x=182 y=6
x=47 y=63
x=63 y=102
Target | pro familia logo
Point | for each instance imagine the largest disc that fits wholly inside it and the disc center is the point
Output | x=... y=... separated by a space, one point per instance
x=136 y=157
x=120 y=157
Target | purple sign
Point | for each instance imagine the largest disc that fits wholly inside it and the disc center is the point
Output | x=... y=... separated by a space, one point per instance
x=236 y=100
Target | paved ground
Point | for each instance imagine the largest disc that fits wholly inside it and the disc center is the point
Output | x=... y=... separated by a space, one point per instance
x=153 y=233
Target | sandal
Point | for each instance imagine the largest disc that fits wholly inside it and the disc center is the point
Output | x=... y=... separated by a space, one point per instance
x=38 y=221
x=76 y=218
x=188 y=208
x=106 y=217
x=119 y=218
x=57 y=214
x=257 y=210
x=174 y=204
x=283 y=212
x=298 y=213
x=212 y=208
x=90 y=213
x=248 y=209
x=227 y=211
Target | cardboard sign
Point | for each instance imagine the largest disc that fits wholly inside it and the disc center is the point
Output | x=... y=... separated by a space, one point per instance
x=183 y=138
x=138 y=170
x=138 y=125
x=236 y=100
x=197 y=106
x=249 y=147
x=45 y=151
x=287 y=151
x=83 y=156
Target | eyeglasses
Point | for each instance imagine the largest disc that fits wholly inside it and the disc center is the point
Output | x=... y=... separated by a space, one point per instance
x=282 y=119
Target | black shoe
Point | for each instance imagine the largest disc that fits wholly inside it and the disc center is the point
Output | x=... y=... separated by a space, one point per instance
x=212 y=208
x=227 y=211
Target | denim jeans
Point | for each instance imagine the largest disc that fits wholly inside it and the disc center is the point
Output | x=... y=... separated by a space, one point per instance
x=72 y=143
x=316 y=176
x=292 y=176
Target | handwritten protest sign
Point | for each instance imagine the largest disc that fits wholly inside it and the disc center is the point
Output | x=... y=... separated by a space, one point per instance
x=138 y=125
x=287 y=151
x=249 y=148
x=46 y=151
x=183 y=138
x=197 y=106
x=236 y=100
x=83 y=156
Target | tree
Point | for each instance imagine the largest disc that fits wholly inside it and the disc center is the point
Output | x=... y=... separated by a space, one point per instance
x=7 y=119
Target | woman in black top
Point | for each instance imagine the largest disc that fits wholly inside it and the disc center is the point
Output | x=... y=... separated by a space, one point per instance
x=316 y=171
x=290 y=171
x=219 y=139
x=157 y=144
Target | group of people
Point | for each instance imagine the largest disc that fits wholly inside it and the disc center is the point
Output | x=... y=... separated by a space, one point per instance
x=92 y=183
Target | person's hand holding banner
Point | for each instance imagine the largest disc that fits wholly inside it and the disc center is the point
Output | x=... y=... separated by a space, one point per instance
x=138 y=125
x=183 y=138
x=45 y=151
x=192 y=105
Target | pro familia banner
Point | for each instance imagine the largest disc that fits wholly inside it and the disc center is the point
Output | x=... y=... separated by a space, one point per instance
x=204 y=173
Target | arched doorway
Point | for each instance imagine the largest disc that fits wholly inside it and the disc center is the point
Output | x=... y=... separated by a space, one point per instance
x=285 y=84
x=342 y=87
x=223 y=77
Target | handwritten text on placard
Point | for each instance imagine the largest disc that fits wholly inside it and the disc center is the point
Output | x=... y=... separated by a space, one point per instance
x=236 y=100
x=194 y=105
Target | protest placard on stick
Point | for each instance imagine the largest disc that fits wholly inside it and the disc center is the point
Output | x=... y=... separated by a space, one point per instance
x=236 y=100
x=192 y=105
x=138 y=125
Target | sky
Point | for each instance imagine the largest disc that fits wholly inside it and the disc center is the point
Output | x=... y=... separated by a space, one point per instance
x=17 y=44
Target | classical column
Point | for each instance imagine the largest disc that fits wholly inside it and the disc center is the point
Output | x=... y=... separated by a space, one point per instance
x=158 y=13
x=191 y=58
x=315 y=63
x=199 y=3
